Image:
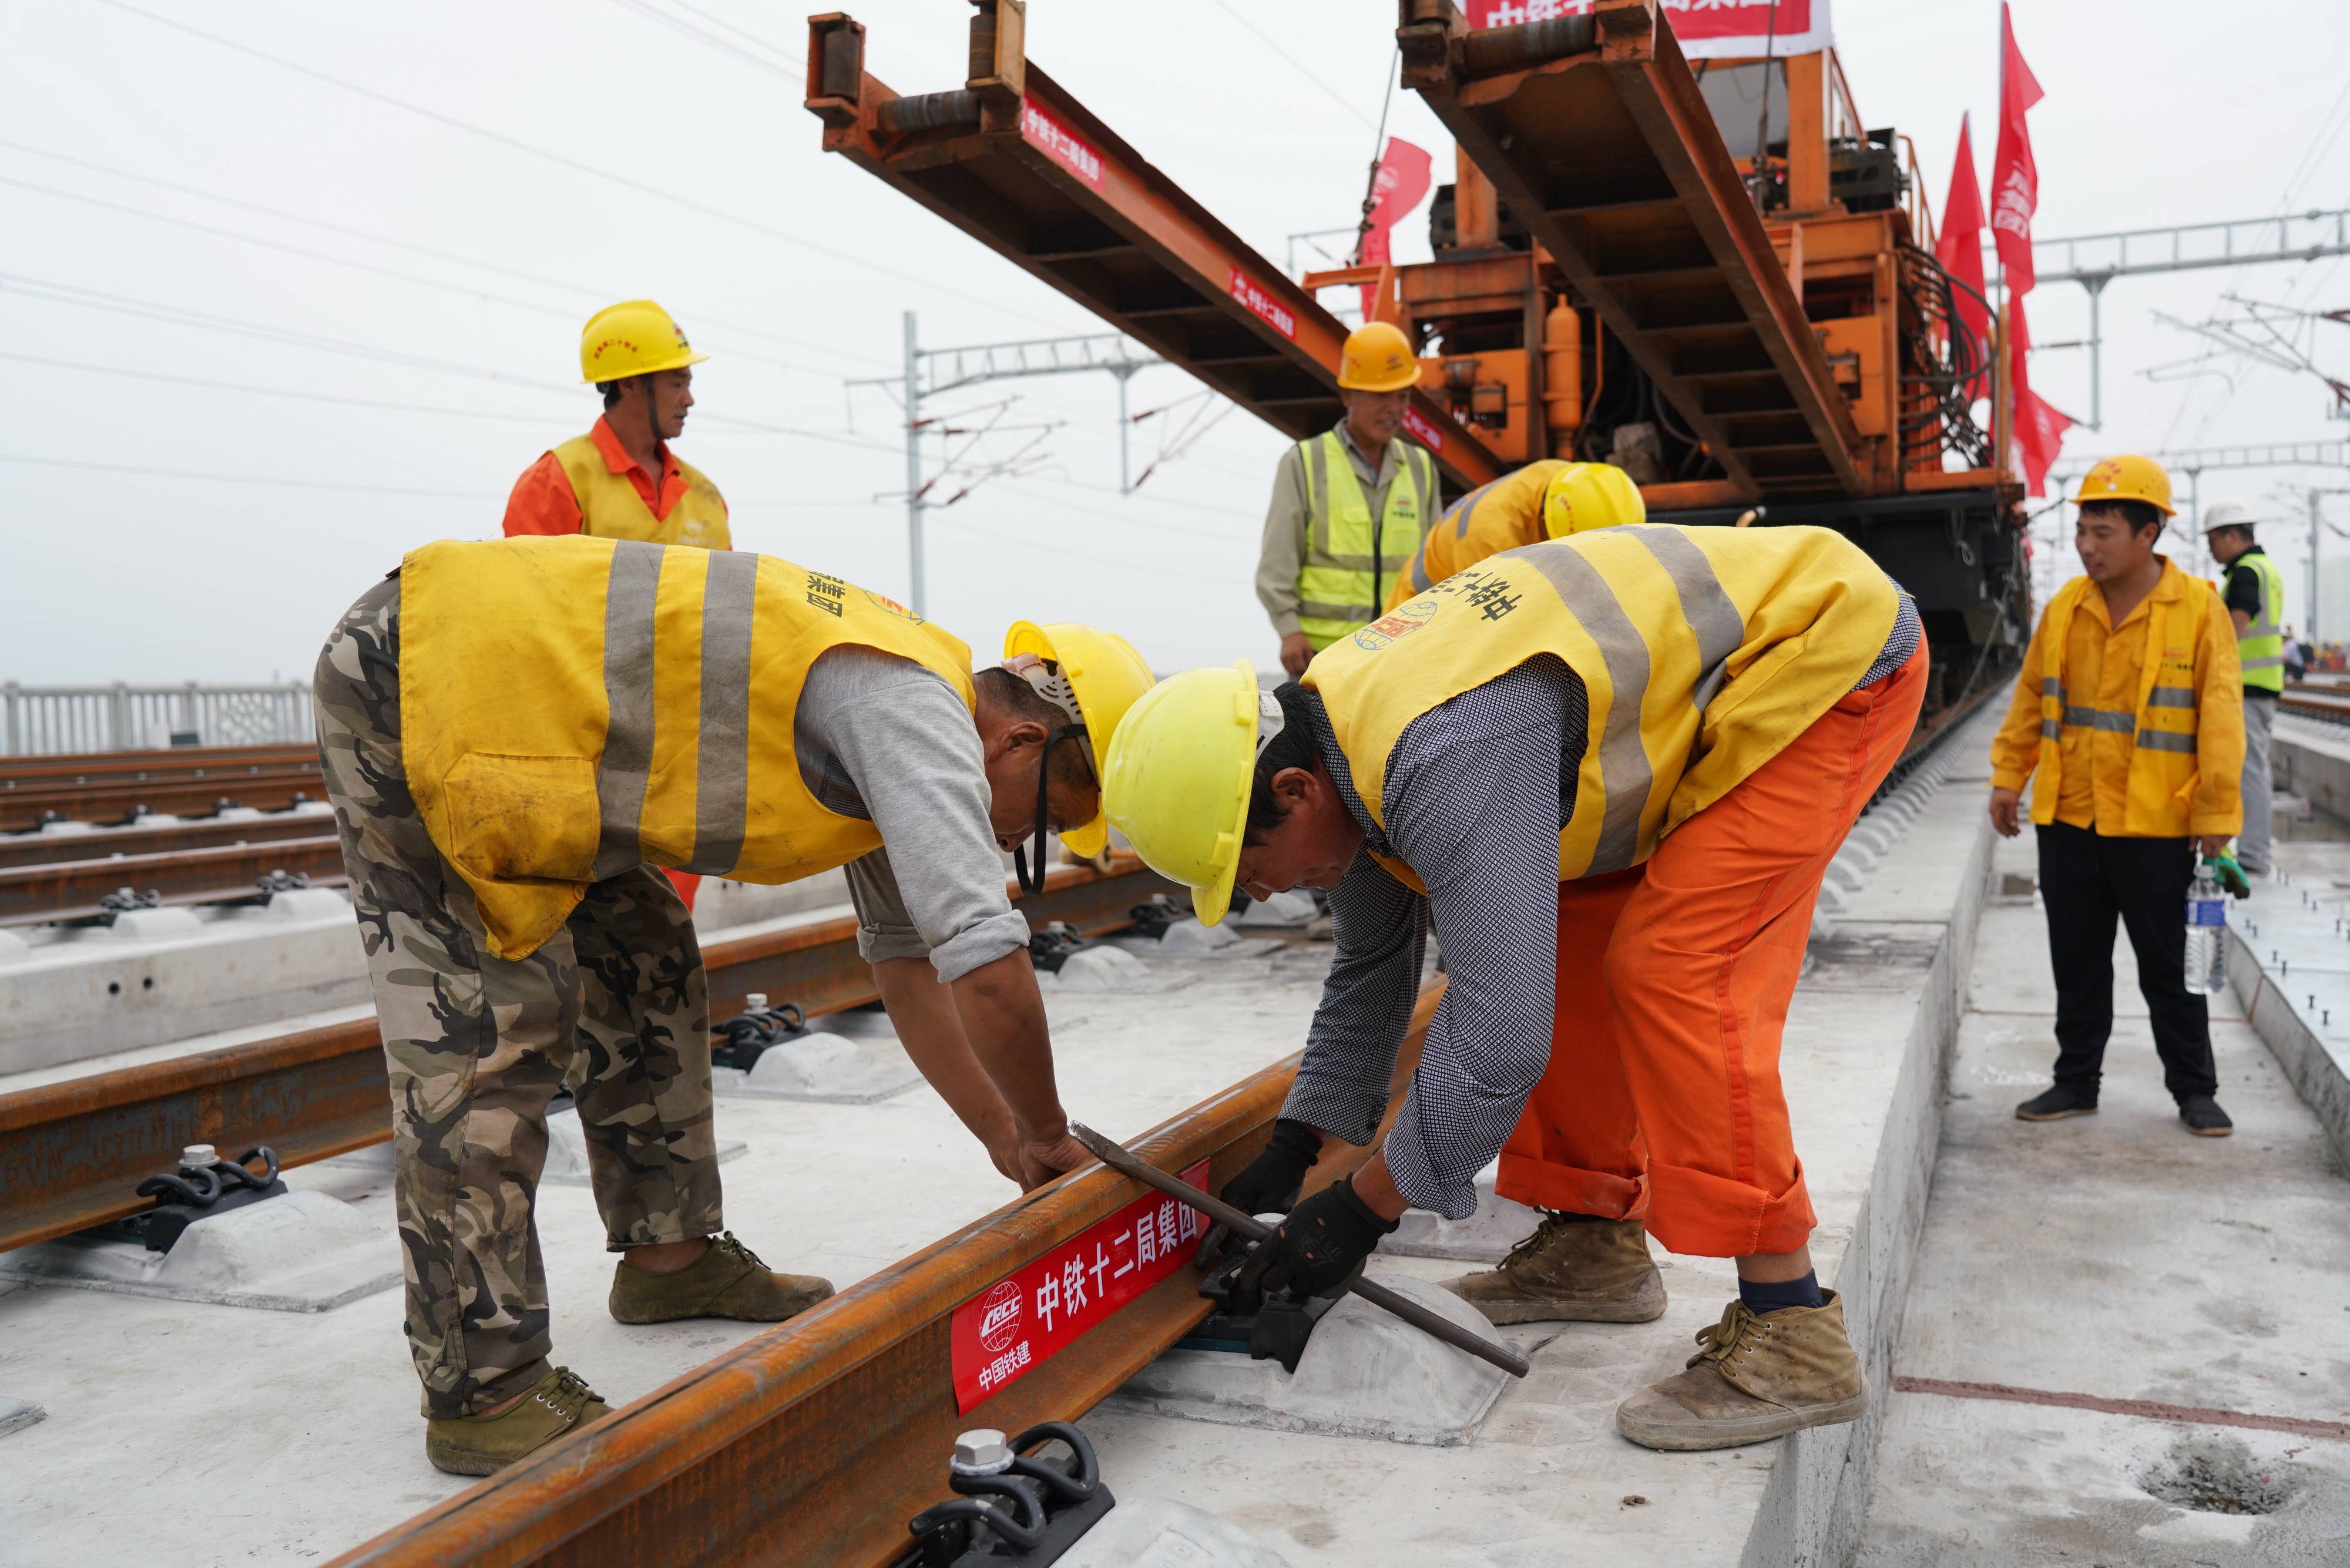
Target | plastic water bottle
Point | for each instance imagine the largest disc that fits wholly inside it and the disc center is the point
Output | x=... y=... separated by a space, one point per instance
x=2207 y=935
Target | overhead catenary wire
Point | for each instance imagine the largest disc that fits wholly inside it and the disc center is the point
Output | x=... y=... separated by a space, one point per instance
x=580 y=166
x=1294 y=63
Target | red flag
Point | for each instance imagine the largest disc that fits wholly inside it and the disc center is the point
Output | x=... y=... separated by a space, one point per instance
x=1401 y=181
x=1959 y=250
x=2014 y=177
x=2039 y=427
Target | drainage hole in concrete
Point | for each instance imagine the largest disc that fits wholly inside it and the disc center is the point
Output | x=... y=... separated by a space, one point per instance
x=2219 y=1475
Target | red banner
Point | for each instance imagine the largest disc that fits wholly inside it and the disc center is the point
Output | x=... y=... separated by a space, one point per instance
x=1043 y=129
x=1421 y=431
x=1959 y=250
x=2014 y=173
x=2039 y=427
x=1705 y=29
x=1403 y=178
x=1262 y=304
x=1024 y=1319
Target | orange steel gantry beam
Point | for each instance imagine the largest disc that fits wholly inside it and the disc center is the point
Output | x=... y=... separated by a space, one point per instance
x=1593 y=129
x=1016 y=162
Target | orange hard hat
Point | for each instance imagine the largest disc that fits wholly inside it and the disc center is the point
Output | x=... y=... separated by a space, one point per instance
x=1378 y=357
x=2129 y=477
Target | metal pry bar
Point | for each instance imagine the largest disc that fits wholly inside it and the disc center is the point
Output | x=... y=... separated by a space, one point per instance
x=1118 y=1159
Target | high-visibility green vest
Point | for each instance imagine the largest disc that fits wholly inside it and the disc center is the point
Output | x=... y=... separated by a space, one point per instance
x=1351 y=558
x=2260 y=648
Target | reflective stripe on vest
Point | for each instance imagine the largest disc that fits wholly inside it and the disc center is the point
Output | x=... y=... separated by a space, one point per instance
x=573 y=706
x=1351 y=558
x=2162 y=728
x=1702 y=652
x=610 y=508
x=2260 y=648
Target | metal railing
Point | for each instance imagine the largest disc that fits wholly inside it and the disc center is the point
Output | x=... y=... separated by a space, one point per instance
x=46 y=721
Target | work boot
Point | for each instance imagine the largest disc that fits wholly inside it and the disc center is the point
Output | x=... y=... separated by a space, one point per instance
x=1571 y=1270
x=727 y=1281
x=1756 y=1375
x=2204 y=1117
x=484 y=1445
x=2055 y=1105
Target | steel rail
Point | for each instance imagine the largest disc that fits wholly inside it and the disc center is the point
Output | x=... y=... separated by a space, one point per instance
x=1014 y=160
x=72 y=1152
x=191 y=762
x=815 y=1442
x=267 y=788
x=71 y=889
x=161 y=839
x=1593 y=129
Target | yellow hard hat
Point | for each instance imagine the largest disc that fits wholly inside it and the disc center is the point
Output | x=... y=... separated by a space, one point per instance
x=2129 y=477
x=634 y=337
x=1106 y=675
x=1378 y=357
x=1181 y=769
x=1587 y=496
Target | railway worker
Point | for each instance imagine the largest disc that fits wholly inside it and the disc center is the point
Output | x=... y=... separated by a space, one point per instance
x=1348 y=505
x=621 y=481
x=2128 y=720
x=2254 y=595
x=515 y=734
x=1546 y=500
x=1509 y=753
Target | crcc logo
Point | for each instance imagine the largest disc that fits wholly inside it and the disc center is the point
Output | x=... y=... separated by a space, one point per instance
x=999 y=1319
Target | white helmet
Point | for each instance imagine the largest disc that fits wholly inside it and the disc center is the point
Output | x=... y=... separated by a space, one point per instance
x=2228 y=515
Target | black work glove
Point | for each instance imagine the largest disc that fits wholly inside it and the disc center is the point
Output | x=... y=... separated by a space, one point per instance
x=1317 y=1249
x=1265 y=1185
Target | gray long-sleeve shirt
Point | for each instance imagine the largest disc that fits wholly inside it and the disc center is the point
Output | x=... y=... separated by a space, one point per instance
x=881 y=738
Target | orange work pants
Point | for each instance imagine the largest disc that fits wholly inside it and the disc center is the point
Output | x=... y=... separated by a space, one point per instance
x=687 y=883
x=1662 y=1100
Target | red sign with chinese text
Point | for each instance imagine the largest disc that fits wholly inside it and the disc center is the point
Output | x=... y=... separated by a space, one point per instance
x=1043 y=129
x=1021 y=1320
x=1421 y=431
x=1704 y=28
x=1263 y=306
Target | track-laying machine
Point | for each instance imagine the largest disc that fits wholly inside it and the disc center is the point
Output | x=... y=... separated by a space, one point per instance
x=1717 y=276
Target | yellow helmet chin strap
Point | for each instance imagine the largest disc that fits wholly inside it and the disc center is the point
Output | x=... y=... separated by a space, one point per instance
x=1048 y=682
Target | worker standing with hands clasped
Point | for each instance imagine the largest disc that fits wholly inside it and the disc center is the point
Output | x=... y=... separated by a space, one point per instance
x=621 y=481
x=1613 y=767
x=2254 y=594
x=2128 y=721
x=1348 y=505
x=516 y=735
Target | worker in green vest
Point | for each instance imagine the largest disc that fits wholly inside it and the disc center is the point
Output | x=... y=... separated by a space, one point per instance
x=2254 y=594
x=1349 y=505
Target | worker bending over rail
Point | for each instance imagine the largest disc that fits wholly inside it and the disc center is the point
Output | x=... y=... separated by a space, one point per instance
x=1613 y=768
x=620 y=480
x=2128 y=720
x=1546 y=500
x=515 y=735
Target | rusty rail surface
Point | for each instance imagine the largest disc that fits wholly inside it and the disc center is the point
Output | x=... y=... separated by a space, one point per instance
x=265 y=788
x=207 y=833
x=1014 y=160
x=184 y=761
x=70 y=889
x=815 y=1442
x=71 y=1153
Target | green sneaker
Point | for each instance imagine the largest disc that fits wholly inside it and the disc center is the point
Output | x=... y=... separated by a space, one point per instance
x=727 y=1281
x=484 y=1445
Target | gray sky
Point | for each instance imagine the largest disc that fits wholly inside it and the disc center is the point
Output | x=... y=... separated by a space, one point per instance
x=386 y=304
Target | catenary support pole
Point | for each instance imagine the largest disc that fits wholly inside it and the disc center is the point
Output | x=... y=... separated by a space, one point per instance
x=2316 y=533
x=915 y=595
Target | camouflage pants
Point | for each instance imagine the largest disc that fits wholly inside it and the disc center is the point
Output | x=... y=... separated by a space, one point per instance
x=614 y=1006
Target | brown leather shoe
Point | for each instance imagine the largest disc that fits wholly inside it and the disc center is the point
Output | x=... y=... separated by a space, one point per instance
x=484 y=1445
x=1755 y=1377
x=727 y=1281
x=1571 y=1270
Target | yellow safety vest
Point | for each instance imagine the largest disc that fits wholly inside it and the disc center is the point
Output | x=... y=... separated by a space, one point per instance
x=571 y=707
x=610 y=508
x=2162 y=725
x=2260 y=649
x=1703 y=652
x=1495 y=516
x=1349 y=560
